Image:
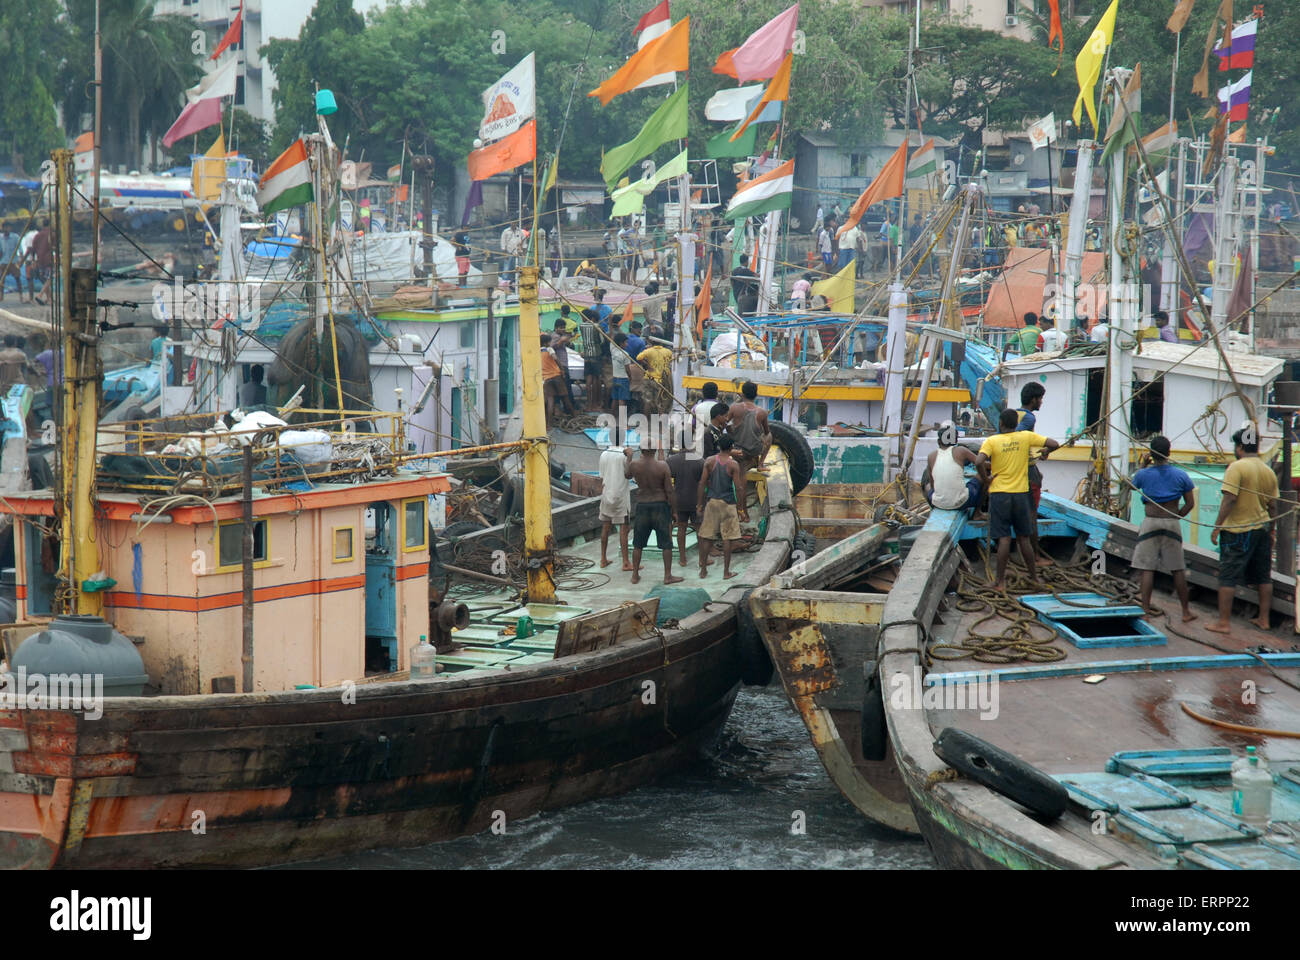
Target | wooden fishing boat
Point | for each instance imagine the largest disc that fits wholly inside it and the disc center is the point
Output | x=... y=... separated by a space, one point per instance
x=270 y=737
x=1115 y=736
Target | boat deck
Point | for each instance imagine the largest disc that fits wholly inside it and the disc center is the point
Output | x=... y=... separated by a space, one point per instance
x=583 y=587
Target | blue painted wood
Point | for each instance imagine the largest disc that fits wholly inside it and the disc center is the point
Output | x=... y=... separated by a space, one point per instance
x=1094 y=525
x=1059 y=612
x=1046 y=528
x=1050 y=670
x=1112 y=791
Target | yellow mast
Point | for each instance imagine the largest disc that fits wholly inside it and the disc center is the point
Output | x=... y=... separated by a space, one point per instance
x=80 y=395
x=539 y=541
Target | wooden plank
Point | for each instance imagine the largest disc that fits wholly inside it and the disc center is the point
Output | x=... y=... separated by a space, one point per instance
x=1043 y=671
x=836 y=563
x=607 y=628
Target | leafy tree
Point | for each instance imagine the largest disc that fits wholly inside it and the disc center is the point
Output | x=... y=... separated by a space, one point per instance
x=148 y=65
x=32 y=41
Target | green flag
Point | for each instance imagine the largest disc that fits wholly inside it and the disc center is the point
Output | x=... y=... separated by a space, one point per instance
x=669 y=122
x=721 y=147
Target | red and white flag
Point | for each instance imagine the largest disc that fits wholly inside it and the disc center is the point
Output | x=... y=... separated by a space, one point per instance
x=651 y=27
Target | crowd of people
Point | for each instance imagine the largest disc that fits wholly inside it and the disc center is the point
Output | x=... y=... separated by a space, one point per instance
x=1042 y=334
x=28 y=258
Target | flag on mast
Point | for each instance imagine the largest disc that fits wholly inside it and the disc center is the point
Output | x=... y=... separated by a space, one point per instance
x=923 y=164
x=664 y=54
x=1234 y=99
x=649 y=28
x=506 y=154
x=233 y=34
x=204 y=107
x=1201 y=82
x=838 y=290
x=1178 y=19
x=1042 y=132
x=669 y=122
x=1119 y=133
x=1240 y=54
x=887 y=185
x=772 y=191
x=287 y=183
x=1087 y=65
x=763 y=54
x=510 y=102
x=778 y=91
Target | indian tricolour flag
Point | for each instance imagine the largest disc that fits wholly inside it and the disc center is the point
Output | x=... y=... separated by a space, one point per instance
x=772 y=191
x=922 y=165
x=288 y=182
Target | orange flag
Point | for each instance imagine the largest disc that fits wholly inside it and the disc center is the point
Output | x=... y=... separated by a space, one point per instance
x=886 y=186
x=778 y=91
x=704 y=303
x=669 y=53
x=725 y=65
x=506 y=154
x=1055 y=35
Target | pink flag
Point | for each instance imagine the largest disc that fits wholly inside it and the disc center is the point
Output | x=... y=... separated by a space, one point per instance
x=761 y=55
x=196 y=116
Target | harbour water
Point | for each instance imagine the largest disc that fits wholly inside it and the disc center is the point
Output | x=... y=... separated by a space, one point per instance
x=736 y=809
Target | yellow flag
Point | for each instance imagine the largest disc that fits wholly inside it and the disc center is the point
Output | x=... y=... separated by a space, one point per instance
x=551 y=174
x=1087 y=65
x=838 y=290
x=210 y=171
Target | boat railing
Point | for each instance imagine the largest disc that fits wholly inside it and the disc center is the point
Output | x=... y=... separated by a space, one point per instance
x=200 y=454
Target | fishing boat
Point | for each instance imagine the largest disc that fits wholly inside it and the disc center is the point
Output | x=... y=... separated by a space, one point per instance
x=254 y=598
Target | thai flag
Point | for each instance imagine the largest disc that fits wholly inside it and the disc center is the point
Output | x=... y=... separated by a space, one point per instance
x=1241 y=55
x=1234 y=99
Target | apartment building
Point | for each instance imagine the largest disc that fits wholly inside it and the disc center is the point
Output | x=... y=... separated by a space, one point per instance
x=1012 y=18
x=254 y=84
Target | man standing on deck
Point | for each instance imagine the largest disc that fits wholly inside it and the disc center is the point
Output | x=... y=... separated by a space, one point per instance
x=655 y=511
x=1160 y=539
x=621 y=387
x=751 y=436
x=716 y=493
x=1031 y=401
x=824 y=248
x=702 y=413
x=744 y=285
x=658 y=390
x=615 y=500
x=1167 y=333
x=1244 y=530
x=510 y=243
x=1051 y=340
x=686 y=471
x=1028 y=336
x=1004 y=467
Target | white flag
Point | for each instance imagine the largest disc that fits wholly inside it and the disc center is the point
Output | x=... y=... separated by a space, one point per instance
x=510 y=102
x=733 y=103
x=1043 y=132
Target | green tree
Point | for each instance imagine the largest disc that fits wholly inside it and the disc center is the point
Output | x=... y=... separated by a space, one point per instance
x=148 y=64
x=32 y=42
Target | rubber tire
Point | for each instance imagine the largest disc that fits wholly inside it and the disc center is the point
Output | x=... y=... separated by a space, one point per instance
x=460 y=528
x=1002 y=772
x=512 y=499
x=805 y=543
x=795 y=446
x=875 y=732
x=755 y=664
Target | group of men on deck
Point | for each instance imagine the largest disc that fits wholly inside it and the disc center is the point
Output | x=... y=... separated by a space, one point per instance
x=1243 y=529
x=702 y=485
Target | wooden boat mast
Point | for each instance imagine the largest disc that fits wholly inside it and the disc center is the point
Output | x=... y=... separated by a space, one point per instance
x=539 y=540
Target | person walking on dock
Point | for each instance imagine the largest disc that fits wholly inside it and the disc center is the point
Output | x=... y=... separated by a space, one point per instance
x=1244 y=530
x=655 y=510
x=615 y=501
x=1160 y=539
x=1004 y=468
x=719 y=481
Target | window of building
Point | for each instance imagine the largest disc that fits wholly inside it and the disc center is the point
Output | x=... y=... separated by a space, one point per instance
x=230 y=546
x=467 y=333
x=344 y=548
x=239 y=91
x=415 y=529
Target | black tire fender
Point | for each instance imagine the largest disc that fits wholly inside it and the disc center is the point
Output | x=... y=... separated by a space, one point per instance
x=755 y=663
x=795 y=446
x=875 y=732
x=1002 y=772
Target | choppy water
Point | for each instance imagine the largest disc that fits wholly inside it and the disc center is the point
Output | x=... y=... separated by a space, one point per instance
x=733 y=810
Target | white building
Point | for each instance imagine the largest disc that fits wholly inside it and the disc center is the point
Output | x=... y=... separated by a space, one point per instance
x=1008 y=17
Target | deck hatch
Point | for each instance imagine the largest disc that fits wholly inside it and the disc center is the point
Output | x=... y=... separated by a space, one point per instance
x=1088 y=620
x=1112 y=792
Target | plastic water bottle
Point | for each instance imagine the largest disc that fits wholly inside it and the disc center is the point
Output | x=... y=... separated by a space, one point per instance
x=1252 y=788
x=424 y=660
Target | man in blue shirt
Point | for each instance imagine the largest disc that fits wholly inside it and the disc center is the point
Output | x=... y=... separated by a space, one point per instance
x=601 y=308
x=1160 y=539
x=635 y=343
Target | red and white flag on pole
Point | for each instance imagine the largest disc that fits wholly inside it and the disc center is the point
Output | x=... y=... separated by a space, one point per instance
x=651 y=27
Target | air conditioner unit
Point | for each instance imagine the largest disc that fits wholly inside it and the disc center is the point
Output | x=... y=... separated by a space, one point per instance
x=1012 y=20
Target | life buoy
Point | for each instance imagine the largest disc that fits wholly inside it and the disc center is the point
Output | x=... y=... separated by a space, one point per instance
x=1001 y=772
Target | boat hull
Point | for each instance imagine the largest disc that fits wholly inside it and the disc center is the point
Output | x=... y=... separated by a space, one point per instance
x=195 y=781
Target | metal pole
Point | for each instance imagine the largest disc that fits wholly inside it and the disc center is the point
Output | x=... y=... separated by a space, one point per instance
x=1122 y=318
x=247 y=657
x=99 y=114
x=1286 y=528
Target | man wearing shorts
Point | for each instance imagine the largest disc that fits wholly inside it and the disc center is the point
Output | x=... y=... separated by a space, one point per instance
x=751 y=437
x=615 y=501
x=1244 y=530
x=717 y=503
x=686 y=471
x=1004 y=467
x=654 y=510
x=1160 y=539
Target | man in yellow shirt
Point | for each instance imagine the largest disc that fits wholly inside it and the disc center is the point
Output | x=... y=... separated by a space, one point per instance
x=658 y=389
x=1244 y=530
x=1003 y=465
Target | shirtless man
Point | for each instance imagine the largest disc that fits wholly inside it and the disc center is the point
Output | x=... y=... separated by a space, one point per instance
x=751 y=437
x=717 y=505
x=655 y=510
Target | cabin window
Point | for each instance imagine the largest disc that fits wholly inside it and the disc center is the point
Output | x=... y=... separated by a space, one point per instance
x=813 y=415
x=415 y=528
x=344 y=548
x=1148 y=408
x=1094 y=398
x=467 y=334
x=230 y=543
